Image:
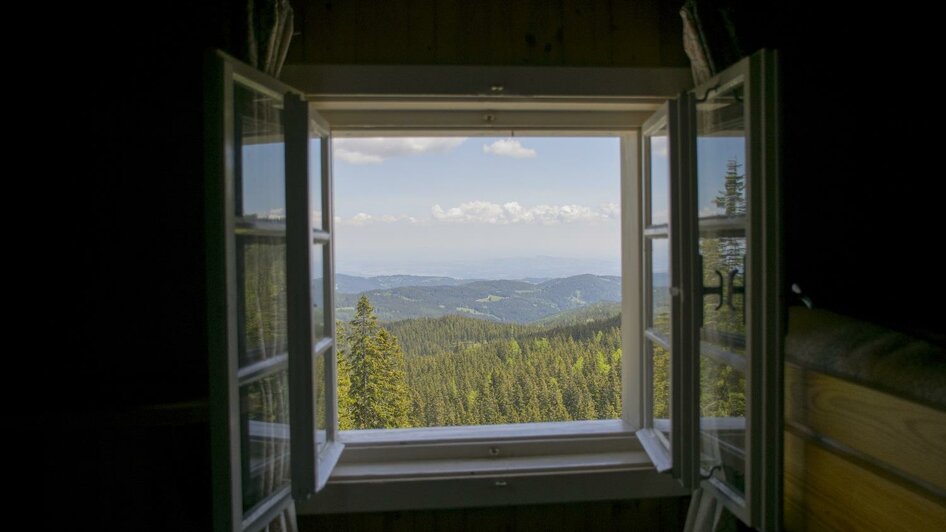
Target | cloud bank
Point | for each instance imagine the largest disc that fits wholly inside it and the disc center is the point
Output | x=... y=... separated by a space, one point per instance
x=376 y=150
x=514 y=213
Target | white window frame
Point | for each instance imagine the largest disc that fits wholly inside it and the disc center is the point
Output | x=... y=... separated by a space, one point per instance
x=535 y=462
x=389 y=469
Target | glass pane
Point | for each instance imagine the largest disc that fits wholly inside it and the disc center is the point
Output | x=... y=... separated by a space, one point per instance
x=264 y=430
x=722 y=360
x=280 y=523
x=721 y=155
x=260 y=164
x=723 y=421
x=659 y=281
x=319 y=388
x=261 y=263
x=659 y=175
x=660 y=405
x=318 y=291
x=315 y=179
x=722 y=181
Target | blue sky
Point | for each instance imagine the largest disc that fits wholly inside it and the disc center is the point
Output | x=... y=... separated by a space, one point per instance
x=471 y=207
x=713 y=154
x=405 y=201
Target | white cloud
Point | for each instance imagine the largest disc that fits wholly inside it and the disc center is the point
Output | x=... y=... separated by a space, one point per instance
x=611 y=210
x=509 y=148
x=514 y=213
x=376 y=150
x=363 y=218
x=486 y=212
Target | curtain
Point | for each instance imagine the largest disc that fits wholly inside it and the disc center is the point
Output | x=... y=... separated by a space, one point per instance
x=269 y=32
x=709 y=35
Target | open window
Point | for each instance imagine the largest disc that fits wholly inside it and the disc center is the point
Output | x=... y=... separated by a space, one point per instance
x=701 y=325
x=719 y=315
x=271 y=320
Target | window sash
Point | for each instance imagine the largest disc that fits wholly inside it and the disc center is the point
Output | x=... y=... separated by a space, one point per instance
x=225 y=227
x=760 y=505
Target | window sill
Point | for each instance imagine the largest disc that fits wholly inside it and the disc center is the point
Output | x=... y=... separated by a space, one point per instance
x=451 y=467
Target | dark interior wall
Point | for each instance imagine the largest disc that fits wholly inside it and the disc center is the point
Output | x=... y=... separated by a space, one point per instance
x=861 y=170
x=128 y=290
x=633 y=514
x=861 y=204
x=125 y=431
x=645 y=33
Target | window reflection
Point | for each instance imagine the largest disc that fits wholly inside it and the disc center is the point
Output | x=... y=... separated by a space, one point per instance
x=722 y=182
x=263 y=287
x=264 y=427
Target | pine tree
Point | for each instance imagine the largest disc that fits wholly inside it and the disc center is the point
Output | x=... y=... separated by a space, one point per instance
x=361 y=329
x=395 y=397
x=378 y=389
x=732 y=199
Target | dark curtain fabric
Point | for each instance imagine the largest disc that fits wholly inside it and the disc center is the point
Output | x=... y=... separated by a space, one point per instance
x=710 y=36
x=269 y=32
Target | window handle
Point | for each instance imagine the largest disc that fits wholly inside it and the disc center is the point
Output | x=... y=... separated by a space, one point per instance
x=733 y=289
x=709 y=474
x=715 y=290
x=709 y=290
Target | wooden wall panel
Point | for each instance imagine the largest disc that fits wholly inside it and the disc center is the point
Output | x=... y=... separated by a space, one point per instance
x=420 y=28
x=642 y=33
x=892 y=431
x=578 y=32
x=637 y=22
x=824 y=491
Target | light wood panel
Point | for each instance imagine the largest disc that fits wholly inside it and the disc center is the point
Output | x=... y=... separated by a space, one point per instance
x=824 y=491
x=907 y=436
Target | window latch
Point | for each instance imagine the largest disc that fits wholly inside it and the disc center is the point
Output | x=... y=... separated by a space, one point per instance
x=733 y=289
x=709 y=290
x=709 y=474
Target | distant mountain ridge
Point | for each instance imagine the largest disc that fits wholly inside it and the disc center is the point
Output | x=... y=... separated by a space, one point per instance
x=496 y=300
x=353 y=284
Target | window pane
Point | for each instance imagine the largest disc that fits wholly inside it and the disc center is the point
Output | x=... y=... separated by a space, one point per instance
x=260 y=168
x=660 y=405
x=318 y=290
x=262 y=285
x=722 y=361
x=264 y=430
x=659 y=175
x=280 y=523
x=724 y=290
x=722 y=181
x=319 y=386
x=459 y=308
x=721 y=155
x=723 y=421
x=659 y=282
x=315 y=179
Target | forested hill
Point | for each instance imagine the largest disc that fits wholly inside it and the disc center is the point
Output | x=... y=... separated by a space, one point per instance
x=500 y=300
x=511 y=373
x=432 y=336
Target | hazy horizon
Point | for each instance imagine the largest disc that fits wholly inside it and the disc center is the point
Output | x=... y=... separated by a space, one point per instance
x=478 y=206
